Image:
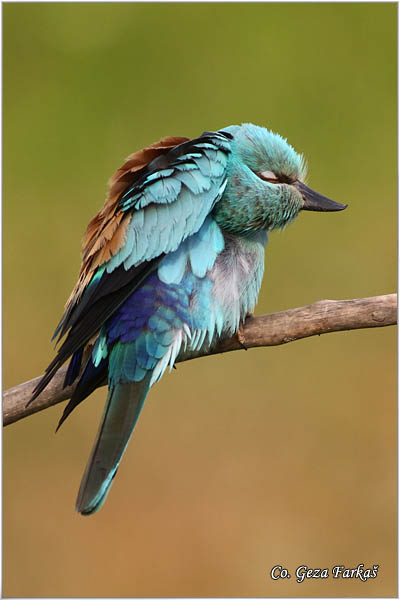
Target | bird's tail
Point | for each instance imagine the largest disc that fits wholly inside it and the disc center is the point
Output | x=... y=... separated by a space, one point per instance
x=123 y=406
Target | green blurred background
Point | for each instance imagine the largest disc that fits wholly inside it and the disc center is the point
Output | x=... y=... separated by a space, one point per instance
x=239 y=462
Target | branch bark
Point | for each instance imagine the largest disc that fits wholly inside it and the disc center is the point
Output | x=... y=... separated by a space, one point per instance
x=274 y=329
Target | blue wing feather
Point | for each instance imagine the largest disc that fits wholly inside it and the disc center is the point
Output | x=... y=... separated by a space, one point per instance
x=164 y=211
x=170 y=205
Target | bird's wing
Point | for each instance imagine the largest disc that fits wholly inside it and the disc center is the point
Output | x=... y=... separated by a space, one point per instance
x=157 y=199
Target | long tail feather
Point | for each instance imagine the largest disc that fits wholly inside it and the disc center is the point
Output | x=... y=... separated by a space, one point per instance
x=121 y=412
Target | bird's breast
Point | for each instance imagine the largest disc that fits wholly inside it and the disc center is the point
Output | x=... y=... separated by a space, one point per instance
x=237 y=276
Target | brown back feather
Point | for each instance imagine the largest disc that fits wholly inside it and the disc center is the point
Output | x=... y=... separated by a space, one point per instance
x=106 y=232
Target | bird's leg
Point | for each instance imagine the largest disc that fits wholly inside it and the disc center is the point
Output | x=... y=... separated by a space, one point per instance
x=240 y=333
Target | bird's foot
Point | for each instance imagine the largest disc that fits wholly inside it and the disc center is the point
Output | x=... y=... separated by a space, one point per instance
x=241 y=336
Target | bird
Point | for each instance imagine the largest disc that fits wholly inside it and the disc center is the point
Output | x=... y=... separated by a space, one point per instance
x=172 y=263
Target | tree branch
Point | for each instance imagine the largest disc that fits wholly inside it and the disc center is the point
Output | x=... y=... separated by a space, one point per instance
x=274 y=329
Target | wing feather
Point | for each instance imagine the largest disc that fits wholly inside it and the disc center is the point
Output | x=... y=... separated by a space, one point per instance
x=157 y=199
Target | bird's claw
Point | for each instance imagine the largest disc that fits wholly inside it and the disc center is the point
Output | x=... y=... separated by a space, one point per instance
x=241 y=336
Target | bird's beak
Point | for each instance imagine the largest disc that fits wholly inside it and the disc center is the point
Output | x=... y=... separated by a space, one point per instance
x=314 y=201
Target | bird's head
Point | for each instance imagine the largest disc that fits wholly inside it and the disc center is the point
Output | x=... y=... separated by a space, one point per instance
x=266 y=188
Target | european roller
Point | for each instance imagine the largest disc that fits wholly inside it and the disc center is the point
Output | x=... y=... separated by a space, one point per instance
x=172 y=262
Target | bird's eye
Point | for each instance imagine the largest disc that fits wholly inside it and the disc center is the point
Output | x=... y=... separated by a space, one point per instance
x=268 y=176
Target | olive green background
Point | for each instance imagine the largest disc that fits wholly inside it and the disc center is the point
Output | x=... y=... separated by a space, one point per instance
x=239 y=462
